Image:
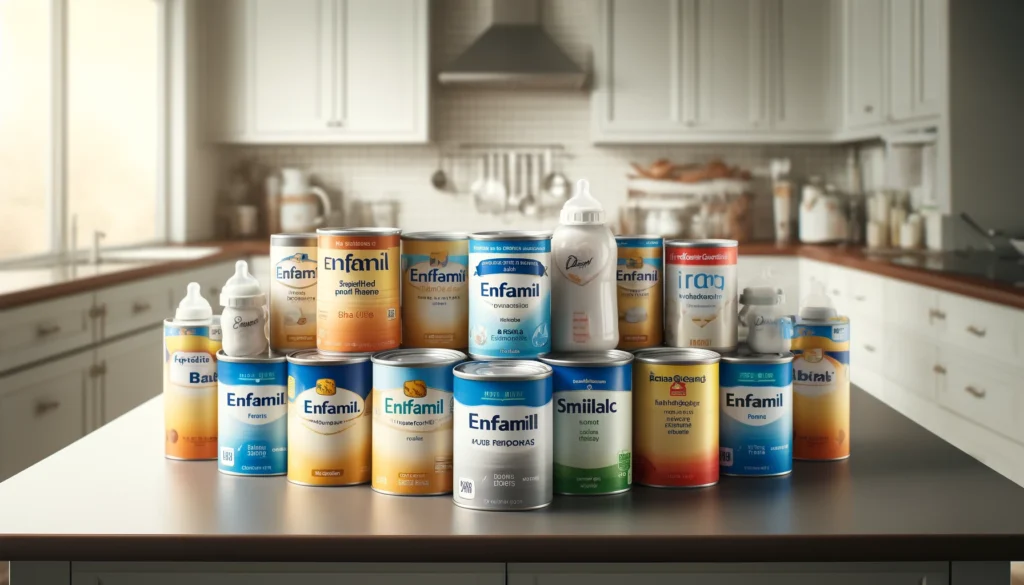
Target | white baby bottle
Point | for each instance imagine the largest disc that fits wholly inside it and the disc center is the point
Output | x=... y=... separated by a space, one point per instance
x=244 y=317
x=584 y=312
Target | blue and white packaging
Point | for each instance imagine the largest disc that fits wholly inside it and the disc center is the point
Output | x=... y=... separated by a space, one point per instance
x=252 y=414
x=756 y=422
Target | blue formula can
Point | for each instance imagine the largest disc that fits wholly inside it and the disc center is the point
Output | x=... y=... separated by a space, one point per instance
x=756 y=426
x=509 y=295
x=252 y=414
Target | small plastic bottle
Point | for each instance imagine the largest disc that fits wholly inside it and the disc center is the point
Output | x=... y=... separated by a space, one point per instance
x=244 y=320
x=584 y=294
x=190 y=380
x=769 y=330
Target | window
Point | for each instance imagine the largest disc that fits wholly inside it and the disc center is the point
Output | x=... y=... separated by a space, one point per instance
x=80 y=134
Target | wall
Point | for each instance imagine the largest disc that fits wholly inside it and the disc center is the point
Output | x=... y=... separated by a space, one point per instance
x=463 y=115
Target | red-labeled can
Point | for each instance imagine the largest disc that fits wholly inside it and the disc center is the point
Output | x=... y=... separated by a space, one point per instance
x=700 y=294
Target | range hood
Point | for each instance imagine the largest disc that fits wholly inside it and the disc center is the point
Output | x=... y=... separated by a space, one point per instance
x=514 y=52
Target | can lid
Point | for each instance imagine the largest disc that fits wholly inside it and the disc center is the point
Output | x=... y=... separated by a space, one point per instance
x=611 y=357
x=677 y=356
x=503 y=370
x=266 y=357
x=418 y=357
x=306 y=239
x=313 y=357
x=638 y=237
x=437 y=236
x=363 y=231
x=744 y=356
x=511 y=235
x=710 y=243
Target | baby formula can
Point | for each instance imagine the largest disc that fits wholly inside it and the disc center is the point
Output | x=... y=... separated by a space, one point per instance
x=700 y=294
x=675 y=424
x=358 y=290
x=639 y=291
x=593 y=416
x=329 y=403
x=503 y=434
x=412 y=421
x=821 y=388
x=252 y=414
x=293 y=291
x=756 y=426
x=190 y=380
x=216 y=334
x=435 y=294
x=509 y=294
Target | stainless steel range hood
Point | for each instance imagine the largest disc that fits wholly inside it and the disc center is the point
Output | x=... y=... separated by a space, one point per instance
x=514 y=52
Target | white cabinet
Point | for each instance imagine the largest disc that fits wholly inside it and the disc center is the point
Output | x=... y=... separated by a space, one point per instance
x=917 y=50
x=316 y=71
x=803 y=66
x=864 y=62
x=130 y=373
x=43 y=329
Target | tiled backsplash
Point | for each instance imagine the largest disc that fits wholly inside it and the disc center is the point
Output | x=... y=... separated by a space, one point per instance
x=463 y=115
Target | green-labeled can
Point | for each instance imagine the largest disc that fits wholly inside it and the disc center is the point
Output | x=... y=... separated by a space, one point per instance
x=593 y=418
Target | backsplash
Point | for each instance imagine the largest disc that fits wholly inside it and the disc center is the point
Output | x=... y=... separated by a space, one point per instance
x=464 y=115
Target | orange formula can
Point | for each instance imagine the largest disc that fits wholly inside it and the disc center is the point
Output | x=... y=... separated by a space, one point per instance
x=435 y=292
x=675 y=417
x=358 y=290
x=190 y=391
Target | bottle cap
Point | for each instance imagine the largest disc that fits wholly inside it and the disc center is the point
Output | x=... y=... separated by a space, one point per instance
x=817 y=306
x=242 y=289
x=193 y=307
x=761 y=295
x=582 y=208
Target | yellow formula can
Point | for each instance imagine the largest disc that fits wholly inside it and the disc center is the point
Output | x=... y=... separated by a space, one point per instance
x=675 y=417
x=412 y=421
x=435 y=293
x=639 y=277
x=329 y=406
x=190 y=391
x=292 y=291
x=821 y=389
x=358 y=290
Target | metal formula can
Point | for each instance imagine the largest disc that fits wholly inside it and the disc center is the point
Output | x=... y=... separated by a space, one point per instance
x=593 y=416
x=412 y=421
x=435 y=290
x=329 y=405
x=675 y=417
x=509 y=294
x=700 y=294
x=756 y=425
x=252 y=414
x=190 y=391
x=821 y=389
x=292 y=291
x=358 y=290
x=639 y=277
x=503 y=435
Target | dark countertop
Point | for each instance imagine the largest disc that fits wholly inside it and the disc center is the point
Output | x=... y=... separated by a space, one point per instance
x=905 y=495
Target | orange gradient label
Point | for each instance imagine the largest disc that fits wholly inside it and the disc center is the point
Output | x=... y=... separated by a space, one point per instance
x=190 y=393
x=821 y=390
x=435 y=294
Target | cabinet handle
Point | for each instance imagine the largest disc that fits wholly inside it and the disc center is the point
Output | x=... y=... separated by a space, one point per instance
x=870 y=348
x=938 y=369
x=140 y=307
x=214 y=290
x=978 y=332
x=860 y=298
x=868 y=109
x=98 y=311
x=47 y=329
x=691 y=122
x=977 y=393
x=45 y=406
x=937 y=314
x=335 y=123
x=97 y=370
x=836 y=293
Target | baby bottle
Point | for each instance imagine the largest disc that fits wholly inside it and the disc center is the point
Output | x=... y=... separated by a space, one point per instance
x=244 y=318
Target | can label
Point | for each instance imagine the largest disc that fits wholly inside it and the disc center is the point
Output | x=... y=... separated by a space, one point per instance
x=757 y=418
x=700 y=297
x=190 y=393
x=639 y=275
x=252 y=418
x=593 y=429
x=329 y=423
x=358 y=293
x=435 y=294
x=412 y=429
x=503 y=444
x=509 y=298
x=675 y=427
x=293 y=298
x=821 y=390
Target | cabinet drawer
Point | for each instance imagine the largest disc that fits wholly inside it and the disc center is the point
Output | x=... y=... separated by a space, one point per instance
x=867 y=345
x=135 y=306
x=865 y=298
x=980 y=390
x=37 y=331
x=912 y=308
x=979 y=326
x=909 y=361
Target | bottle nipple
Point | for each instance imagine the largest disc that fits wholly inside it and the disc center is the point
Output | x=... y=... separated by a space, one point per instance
x=193 y=307
x=582 y=208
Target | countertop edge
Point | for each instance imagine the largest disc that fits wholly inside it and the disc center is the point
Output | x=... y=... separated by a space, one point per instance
x=531 y=549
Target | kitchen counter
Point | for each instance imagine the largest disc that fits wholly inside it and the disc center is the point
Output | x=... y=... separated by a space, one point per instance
x=905 y=495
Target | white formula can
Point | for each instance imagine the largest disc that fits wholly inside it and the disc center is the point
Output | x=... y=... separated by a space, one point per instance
x=292 y=291
x=700 y=294
x=509 y=294
x=502 y=439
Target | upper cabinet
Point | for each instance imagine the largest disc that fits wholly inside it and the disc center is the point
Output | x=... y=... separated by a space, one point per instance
x=315 y=71
x=917 y=45
x=803 y=65
x=864 y=62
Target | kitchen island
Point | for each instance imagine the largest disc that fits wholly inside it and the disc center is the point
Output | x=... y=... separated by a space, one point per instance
x=906 y=508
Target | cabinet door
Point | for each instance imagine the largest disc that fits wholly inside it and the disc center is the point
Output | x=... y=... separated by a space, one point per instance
x=864 y=61
x=916 y=58
x=224 y=68
x=131 y=372
x=293 y=65
x=383 y=81
x=730 y=64
x=803 y=56
x=42 y=410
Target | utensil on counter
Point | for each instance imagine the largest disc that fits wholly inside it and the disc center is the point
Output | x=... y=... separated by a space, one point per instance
x=555 y=184
x=992 y=233
x=528 y=205
x=516 y=190
x=299 y=199
x=493 y=194
x=439 y=179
